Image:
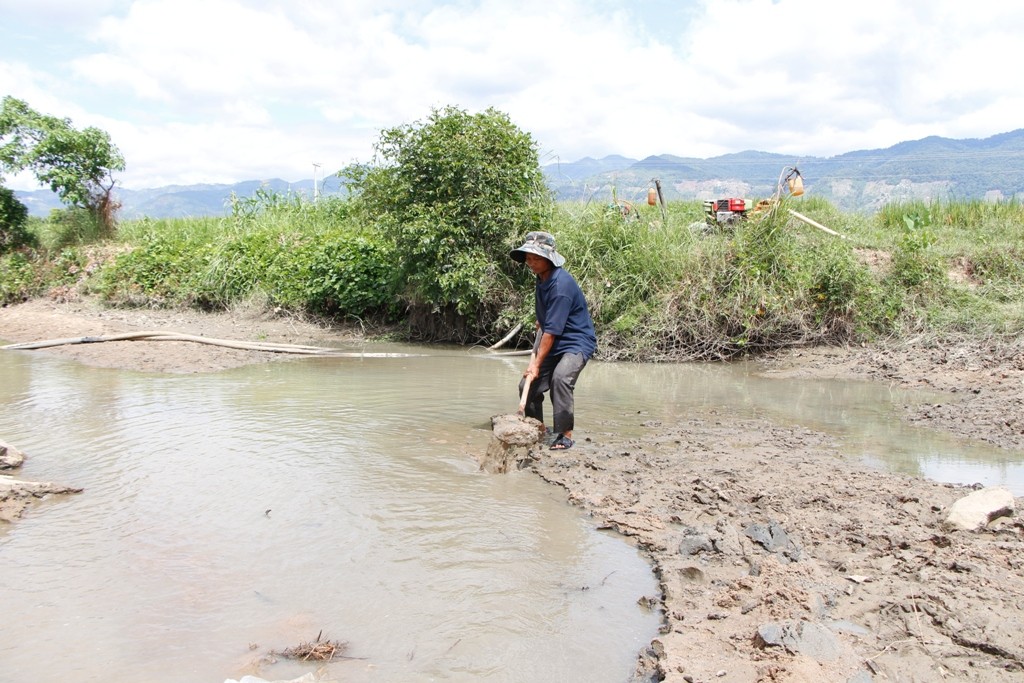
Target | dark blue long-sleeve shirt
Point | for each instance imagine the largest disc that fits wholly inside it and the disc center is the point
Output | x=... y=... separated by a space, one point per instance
x=562 y=312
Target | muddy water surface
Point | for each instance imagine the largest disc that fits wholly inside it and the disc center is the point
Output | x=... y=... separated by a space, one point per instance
x=864 y=417
x=231 y=514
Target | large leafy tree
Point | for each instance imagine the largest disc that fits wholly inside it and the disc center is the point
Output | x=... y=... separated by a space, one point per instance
x=454 y=192
x=78 y=165
x=13 y=215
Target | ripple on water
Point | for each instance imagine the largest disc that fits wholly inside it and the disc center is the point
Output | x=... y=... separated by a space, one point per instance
x=267 y=504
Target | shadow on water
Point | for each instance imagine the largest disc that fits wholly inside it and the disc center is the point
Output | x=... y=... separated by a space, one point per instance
x=226 y=515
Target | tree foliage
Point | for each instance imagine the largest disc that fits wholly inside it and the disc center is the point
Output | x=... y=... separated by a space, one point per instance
x=13 y=216
x=453 y=193
x=78 y=165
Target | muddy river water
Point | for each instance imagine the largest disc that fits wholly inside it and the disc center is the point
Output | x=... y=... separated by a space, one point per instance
x=231 y=514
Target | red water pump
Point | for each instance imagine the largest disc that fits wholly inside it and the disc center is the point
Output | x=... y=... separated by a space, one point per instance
x=726 y=211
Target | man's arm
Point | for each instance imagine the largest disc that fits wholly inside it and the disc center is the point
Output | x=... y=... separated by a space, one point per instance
x=541 y=348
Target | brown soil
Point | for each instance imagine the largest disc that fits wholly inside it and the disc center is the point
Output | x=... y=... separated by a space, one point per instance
x=779 y=558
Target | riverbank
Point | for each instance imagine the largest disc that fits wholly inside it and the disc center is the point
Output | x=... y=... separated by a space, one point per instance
x=780 y=559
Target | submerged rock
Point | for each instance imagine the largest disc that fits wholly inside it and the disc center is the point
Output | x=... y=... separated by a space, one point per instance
x=17 y=494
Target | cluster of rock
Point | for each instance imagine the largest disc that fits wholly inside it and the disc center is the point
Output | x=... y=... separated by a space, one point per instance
x=17 y=494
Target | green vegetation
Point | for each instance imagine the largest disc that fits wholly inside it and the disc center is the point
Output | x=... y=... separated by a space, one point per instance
x=421 y=246
x=658 y=291
x=452 y=195
x=77 y=165
x=13 y=219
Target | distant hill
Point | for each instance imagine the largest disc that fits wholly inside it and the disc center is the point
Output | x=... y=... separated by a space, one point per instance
x=931 y=168
x=182 y=201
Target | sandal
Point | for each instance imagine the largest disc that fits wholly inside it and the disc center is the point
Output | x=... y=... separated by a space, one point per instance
x=561 y=443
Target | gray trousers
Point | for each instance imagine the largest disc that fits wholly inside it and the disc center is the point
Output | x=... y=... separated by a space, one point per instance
x=558 y=375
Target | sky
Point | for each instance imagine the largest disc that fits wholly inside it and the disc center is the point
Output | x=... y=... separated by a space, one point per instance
x=220 y=91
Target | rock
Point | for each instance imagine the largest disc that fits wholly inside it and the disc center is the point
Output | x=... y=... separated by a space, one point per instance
x=307 y=678
x=773 y=538
x=805 y=637
x=728 y=540
x=16 y=494
x=693 y=575
x=974 y=511
x=695 y=541
x=10 y=457
x=515 y=430
x=513 y=438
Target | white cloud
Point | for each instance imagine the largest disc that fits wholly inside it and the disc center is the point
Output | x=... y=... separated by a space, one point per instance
x=53 y=13
x=225 y=90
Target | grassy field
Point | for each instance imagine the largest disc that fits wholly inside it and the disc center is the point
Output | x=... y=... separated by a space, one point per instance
x=660 y=287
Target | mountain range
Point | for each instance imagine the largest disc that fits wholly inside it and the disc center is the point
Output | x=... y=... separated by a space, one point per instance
x=931 y=168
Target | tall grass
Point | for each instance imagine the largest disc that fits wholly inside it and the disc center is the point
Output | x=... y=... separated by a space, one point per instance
x=281 y=250
x=660 y=286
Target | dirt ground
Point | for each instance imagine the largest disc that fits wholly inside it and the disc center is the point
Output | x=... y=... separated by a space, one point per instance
x=779 y=558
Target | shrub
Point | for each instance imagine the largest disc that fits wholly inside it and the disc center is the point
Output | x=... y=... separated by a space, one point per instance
x=18 y=278
x=349 y=276
x=159 y=272
x=452 y=194
x=915 y=265
x=13 y=220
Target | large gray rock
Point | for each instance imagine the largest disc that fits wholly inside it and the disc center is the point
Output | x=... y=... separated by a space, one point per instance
x=512 y=443
x=773 y=538
x=976 y=510
x=807 y=638
x=10 y=457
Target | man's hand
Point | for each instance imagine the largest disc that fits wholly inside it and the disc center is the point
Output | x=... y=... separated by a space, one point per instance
x=532 y=371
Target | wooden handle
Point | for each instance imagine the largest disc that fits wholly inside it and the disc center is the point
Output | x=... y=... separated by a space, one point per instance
x=526 y=393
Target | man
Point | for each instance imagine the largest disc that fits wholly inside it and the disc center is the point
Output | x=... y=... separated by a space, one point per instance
x=565 y=336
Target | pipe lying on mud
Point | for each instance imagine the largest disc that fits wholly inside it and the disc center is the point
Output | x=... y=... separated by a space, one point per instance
x=507 y=338
x=227 y=343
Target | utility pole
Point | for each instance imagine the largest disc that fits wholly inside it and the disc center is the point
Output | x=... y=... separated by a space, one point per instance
x=316 y=186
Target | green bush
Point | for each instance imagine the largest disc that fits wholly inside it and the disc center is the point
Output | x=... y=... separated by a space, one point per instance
x=159 y=272
x=13 y=221
x=424 y=242
x=71 y=226
x=915 y=265
x=349 y=276
x=452 y=194
x=240 y=267
x=1003 y=264
x=622 y=265
x=844 y=296
x=283 y=251
x=19 y=279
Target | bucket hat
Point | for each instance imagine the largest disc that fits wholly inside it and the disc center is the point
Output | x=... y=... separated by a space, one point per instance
x=541 y=244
